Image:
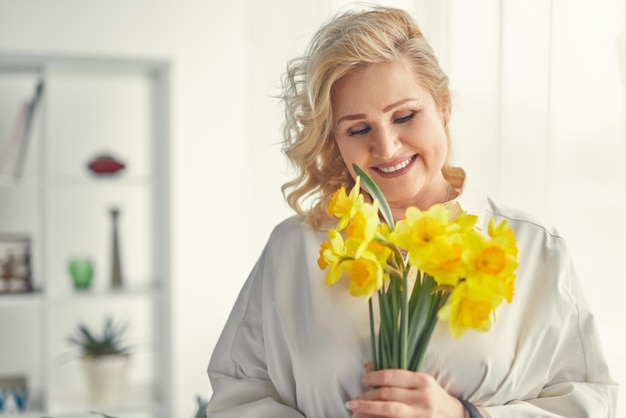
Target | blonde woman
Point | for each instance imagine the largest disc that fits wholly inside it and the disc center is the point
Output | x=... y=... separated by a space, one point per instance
x=370 y=91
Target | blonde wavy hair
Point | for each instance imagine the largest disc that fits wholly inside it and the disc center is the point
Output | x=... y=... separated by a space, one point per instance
x=347 y=43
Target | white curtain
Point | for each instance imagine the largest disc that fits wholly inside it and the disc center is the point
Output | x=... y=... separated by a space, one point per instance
x=539 y=114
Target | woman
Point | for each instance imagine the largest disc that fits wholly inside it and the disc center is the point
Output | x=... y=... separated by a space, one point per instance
x=370 y=91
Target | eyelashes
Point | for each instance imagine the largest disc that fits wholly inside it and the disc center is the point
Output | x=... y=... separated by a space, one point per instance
x=405 y=118
x=356 y=132
x=366 y=128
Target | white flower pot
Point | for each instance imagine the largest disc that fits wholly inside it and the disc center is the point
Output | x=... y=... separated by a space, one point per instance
x=106 y=379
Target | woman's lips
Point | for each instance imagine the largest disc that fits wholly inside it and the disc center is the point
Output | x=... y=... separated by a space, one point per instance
x=396 y=169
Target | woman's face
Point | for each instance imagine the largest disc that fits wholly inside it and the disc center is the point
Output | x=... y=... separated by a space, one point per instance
x=388 y=124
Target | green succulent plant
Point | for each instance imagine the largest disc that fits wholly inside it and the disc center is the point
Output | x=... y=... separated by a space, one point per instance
x=108 y=343
x=202 y=404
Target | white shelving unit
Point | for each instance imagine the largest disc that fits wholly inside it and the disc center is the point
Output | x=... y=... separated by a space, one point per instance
x=90 y=106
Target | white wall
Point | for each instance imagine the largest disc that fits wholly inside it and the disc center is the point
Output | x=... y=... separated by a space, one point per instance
x=208 y=44
x=537 y=95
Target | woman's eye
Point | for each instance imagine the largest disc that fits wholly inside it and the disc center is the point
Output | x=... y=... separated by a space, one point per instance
x=361 y=131
x=404 y=118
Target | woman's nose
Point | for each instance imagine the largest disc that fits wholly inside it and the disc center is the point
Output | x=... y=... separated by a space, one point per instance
x=385 y=143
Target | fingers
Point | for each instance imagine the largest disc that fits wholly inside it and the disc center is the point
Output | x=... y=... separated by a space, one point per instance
x=398 y=378
x=365 y=408
x=402 y=393
x=426 y=407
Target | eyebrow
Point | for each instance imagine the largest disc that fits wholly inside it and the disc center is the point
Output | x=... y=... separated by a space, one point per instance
x=385 y=109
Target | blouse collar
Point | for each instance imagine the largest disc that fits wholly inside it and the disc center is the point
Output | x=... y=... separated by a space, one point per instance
x=469 y=200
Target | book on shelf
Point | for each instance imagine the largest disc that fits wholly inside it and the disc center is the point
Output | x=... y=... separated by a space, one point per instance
x=14 y=153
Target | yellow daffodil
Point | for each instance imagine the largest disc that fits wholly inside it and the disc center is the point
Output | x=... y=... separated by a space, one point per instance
x=503 y=232
x=469 y=306
x=366 y=276
x=464 y=222
x=332 y=254
x=362 y=228
x=378 y=251
x=321 y=261
x=419 y=229
x=344 y=206
x=434 y=244
x=493 y=262
x=444 y=261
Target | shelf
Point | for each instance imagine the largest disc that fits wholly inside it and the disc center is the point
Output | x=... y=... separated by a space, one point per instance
x=140 y=399
x=28 y=414
x=40 y=414
x=12 y=300
x=140 y=403
x=21 y=63
x=89 y=296
x=90 y=106
x=91 y=181
x=86 y=181
x=26 y=181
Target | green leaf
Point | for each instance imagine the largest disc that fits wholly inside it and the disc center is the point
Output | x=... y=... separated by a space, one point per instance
x=373 y=189
x=385 y=342
x=202 y=405
x=425 y=303
x=107 y=343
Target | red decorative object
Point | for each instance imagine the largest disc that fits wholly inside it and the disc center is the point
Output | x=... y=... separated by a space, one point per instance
x=105 y=164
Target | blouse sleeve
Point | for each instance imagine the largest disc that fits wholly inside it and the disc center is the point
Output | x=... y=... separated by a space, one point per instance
x=242 y=385
x=579 y=384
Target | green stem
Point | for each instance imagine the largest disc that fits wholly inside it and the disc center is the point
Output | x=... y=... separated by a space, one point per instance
x=382 y=331
x=439 y=300
x=395 y=309
x=373 y=335
x=404 y=322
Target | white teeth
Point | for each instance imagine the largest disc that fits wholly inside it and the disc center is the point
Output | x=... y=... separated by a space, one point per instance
x=396 y=167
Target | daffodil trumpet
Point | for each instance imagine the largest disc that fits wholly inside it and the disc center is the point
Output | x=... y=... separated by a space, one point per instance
x=452 y=271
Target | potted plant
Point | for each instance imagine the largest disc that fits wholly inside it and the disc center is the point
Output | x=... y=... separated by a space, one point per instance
x=104 y=360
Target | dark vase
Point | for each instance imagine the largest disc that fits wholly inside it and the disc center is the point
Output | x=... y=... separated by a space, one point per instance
x=116 y=264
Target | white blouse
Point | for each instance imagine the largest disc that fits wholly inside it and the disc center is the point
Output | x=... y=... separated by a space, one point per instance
x=295 y=347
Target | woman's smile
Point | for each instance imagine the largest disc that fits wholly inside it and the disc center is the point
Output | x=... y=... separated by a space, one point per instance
x=394 y=169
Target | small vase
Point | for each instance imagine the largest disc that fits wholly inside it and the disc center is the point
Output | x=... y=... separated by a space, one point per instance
x=116 y=264
x=106 y=379
x=81 y=270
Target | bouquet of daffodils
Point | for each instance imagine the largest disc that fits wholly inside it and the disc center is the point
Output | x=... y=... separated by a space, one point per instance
x=457 y=274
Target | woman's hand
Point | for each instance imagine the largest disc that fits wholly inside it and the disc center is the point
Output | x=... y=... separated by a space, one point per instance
x=402 y=393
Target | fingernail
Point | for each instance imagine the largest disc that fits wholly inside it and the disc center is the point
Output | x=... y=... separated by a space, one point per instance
x=351 y=405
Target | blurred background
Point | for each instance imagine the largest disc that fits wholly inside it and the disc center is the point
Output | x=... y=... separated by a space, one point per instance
x=183 y=94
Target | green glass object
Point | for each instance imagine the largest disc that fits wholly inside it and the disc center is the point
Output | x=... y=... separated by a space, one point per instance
x=81 y=270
